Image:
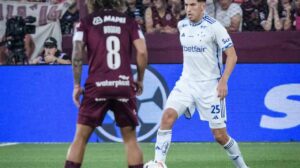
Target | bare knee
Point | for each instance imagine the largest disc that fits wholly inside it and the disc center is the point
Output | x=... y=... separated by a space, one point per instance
x=220 y=136
x=168 y=118
x=82 y=134
x=129 y=136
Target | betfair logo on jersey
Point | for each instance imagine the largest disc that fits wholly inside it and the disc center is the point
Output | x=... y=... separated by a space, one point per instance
x=198 y=49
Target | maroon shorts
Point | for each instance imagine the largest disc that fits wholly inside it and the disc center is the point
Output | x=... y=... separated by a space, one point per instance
x=92 y=112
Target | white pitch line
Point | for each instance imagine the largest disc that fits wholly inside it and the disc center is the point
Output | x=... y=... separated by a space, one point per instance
x=7 y=144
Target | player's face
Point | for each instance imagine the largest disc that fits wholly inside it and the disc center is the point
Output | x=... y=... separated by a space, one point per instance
x=194 y=9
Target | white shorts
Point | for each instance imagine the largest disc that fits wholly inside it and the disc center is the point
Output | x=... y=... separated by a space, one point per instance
x=188 y=95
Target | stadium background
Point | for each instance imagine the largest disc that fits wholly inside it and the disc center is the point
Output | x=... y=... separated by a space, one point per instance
x=263 y=101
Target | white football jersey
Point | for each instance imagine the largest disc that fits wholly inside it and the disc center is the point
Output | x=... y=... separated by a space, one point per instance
x=203 y=43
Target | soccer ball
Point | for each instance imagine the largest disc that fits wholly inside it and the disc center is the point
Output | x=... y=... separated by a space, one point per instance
x=154 y=164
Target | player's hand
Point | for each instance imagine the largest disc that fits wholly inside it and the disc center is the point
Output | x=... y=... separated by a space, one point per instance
x=222 y=88
x=139 y=87
x=50 y=58
x=77 y=91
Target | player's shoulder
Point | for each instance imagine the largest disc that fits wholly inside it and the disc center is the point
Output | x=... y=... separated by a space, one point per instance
x=211 y=22
x=183 y=23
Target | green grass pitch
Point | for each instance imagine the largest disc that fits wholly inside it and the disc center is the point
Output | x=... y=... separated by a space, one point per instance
x=181 y=155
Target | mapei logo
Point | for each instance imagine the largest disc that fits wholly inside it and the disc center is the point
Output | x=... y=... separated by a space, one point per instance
x=284 y=102
x=150 y=108
x=97 y=20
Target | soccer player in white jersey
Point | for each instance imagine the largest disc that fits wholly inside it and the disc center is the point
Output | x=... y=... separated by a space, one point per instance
x=202 y=84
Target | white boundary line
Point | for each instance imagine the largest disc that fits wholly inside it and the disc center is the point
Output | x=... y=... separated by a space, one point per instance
x=7 y=144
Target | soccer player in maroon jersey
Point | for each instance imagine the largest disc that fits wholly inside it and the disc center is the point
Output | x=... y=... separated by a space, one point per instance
x=109 y=37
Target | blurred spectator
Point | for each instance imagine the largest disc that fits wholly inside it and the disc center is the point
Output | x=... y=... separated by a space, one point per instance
x=55 y=1
x=147 y=3
x=255 y=13
x=29 y=46
x=91 y=6
x=37 y=0
x=69 y=19
x=273 y=22
x=177 y=8
x=210 y=8
x=7 y=55
x=238 y=1
x=3 y=53
x=135 y=10
x=160 y=18
x=288 y=14
x=296 y=7
x=230 y=15
x=51 y=55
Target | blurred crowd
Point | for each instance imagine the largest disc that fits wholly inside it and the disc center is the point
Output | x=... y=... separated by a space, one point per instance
x=236 y=15
x=161 y=16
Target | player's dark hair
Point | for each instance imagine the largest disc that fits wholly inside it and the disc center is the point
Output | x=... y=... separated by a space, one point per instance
x=95 y=5
x=201 y=0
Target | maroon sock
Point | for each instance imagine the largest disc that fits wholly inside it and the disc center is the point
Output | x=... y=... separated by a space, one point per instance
x=136 y=166
x=70 y=164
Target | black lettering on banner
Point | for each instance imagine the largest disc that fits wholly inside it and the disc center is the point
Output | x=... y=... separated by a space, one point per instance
x=33 y=7
x=54 y=14
x=10 y=9
x=1 y=12
x=21 y=11
x=43 y=15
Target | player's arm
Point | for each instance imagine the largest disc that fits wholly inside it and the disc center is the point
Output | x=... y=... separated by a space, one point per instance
x=77 y=61
x=142 y=61
x=230 y=64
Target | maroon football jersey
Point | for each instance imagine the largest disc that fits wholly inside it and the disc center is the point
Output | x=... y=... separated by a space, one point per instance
x=109 y=37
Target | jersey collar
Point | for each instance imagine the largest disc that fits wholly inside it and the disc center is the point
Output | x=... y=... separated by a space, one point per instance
x=197 y=23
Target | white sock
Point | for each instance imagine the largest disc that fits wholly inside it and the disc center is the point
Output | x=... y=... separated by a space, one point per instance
x=162 y=145
x=234 y=153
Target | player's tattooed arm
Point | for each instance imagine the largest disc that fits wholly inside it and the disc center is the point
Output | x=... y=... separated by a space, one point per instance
x=77 y=61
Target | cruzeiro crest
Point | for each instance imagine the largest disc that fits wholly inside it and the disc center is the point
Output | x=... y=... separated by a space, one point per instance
x=150 y=108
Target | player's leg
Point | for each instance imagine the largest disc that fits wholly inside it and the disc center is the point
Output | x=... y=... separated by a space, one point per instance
x=164 y=134
x=133 y=152
x=230 y=145
x=90 y=115
x=213 y=110
x=178 y=102
x=77 y=148
x=126 y=118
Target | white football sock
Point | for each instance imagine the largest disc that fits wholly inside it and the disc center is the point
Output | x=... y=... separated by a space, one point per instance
x=233 y=151
x=163 y=142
